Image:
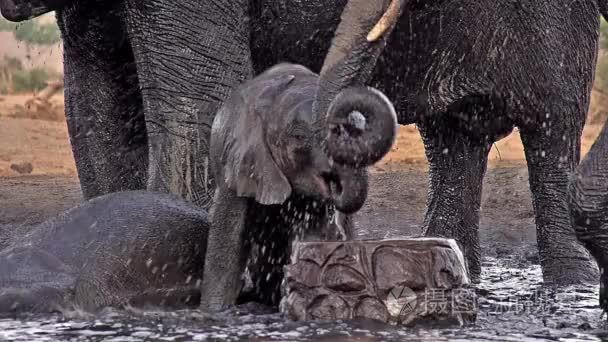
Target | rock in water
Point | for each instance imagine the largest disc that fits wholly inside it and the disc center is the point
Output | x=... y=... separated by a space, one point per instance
x=404 y=281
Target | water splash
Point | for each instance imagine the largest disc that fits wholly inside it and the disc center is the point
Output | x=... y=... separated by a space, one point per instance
x=513 y=306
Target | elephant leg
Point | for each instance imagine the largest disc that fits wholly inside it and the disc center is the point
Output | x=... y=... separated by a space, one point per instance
x=272 y=252
x=189 y=55
x=457 y=166
x=589 y=207
x=552 y=153
x=227 y=251
x=103 y=104
x=344 y=226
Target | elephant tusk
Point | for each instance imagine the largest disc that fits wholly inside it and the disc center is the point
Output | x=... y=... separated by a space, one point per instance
x=387 y=20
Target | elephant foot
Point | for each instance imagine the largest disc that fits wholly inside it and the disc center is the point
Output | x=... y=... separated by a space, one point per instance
x=572 y=270
x=467 y=243
x=404 y=281
x=603 y=290
x=472 y=257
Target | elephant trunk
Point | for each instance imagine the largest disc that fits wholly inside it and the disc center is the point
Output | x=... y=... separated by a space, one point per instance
x=21 y=10
x=349 y=192
x=361 y=126
x=358 y=41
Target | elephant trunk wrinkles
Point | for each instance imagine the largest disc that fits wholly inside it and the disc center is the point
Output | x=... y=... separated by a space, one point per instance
x=183 y=83
x=355 y=48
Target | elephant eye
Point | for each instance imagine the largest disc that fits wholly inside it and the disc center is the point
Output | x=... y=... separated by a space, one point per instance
x=299 y=136
x=300 y=143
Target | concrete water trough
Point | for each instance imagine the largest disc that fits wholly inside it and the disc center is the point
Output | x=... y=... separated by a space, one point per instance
x=403 y=281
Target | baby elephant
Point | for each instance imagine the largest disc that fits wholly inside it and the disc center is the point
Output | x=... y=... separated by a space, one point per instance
x=281 y=171
x=131 y=248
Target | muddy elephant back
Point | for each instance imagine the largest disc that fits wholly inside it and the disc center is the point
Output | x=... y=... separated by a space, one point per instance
x=149 y=251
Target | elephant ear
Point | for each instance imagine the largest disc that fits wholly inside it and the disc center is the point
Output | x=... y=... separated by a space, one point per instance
x=251 y=168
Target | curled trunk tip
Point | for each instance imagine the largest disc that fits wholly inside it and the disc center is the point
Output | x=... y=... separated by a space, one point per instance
x=361 y=127
x=350 y=193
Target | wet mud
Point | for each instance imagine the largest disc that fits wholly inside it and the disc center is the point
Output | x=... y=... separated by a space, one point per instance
x=513 y=304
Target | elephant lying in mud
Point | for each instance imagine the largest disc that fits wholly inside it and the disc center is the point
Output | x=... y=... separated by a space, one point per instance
x=128 y=248
x=280 y=169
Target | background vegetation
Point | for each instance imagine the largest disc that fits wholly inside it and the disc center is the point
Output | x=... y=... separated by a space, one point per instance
x=601 y=81
x=14 y=78
x=32 y=32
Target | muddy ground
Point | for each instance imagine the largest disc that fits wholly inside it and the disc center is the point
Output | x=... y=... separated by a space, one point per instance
x=510 y=277
x=395 y=206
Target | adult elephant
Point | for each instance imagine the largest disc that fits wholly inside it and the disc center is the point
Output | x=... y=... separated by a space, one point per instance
x=466 y=72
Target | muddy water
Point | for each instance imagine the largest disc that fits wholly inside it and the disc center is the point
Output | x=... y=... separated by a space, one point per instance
x=513 y=306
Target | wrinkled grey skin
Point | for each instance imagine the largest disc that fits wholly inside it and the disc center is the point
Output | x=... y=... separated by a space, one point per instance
x=144 y=79
x=275 y=181
x=531 y=66
x=128 y=248
x=589 y=207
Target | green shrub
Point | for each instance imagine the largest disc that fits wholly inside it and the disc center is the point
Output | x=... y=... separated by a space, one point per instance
x=15 y=78
x=11 y=63
x=6 y=25
x=601 y=79
x=31 y=32
x=29 y=80
x=603 y=34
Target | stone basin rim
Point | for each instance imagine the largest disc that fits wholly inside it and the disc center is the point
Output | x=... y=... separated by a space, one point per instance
x=399 y=241
x=447 y=242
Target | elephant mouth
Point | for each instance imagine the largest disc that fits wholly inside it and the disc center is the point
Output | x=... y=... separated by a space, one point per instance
x=328 y=184
x=347 y=190
x=332 y=184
